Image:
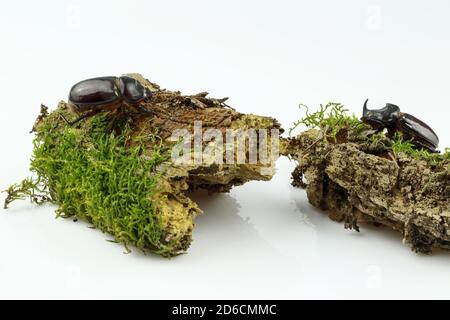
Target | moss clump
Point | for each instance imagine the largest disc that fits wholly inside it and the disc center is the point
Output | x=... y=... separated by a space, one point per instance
x=406 y=146
x=331 y=119
x=106 y=178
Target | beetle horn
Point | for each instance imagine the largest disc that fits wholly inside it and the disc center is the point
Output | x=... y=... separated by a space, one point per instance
x=365 y=109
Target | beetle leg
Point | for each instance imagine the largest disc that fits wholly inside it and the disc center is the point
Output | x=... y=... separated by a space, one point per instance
x=144 y=110
x=84 y=116
x=64 y=118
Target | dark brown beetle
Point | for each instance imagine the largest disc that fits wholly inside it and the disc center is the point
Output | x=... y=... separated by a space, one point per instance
x=391 y=118
x=91 y=96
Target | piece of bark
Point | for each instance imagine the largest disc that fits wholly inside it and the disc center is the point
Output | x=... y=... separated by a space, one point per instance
x=173 y=208
x=356 y=182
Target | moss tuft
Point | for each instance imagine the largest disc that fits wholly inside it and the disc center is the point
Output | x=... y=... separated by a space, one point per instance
x=331 y=119
x=406 y=146
x=29 y=187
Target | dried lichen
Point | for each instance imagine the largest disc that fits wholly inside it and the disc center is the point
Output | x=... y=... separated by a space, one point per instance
x=364 y=176
x=114 y=170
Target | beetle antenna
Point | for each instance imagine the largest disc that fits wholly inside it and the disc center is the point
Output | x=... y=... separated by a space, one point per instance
x=144 y=110
x=82 y=117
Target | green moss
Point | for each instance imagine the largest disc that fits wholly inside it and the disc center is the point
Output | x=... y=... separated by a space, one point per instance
x=377 y=139
x=331 y=119
x=105 y=178
x=29 y=187
x=406 y=146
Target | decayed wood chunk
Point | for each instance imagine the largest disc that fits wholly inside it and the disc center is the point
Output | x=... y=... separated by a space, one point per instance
x=356 y=183
x=172 y=208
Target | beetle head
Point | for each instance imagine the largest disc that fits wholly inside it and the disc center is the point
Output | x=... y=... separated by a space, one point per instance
x=380 y=118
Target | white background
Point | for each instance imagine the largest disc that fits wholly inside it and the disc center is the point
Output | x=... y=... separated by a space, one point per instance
x=263 y=240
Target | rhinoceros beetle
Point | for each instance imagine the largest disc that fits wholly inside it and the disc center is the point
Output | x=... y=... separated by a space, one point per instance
x=91 y=96
x=391 y=118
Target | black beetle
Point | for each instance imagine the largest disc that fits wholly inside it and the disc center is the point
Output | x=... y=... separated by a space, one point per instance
x=91 y=96
x=391 y=118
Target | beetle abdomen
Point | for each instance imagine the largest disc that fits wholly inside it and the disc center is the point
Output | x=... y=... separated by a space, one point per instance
x=418 y=130
x=96 y=91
